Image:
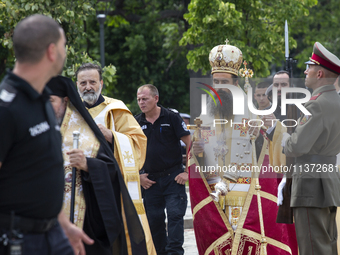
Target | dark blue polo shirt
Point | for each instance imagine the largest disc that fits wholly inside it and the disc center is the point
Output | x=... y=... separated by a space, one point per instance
x=32 y=173
x=163 y=146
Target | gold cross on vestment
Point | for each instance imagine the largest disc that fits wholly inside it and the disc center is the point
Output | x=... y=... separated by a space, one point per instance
x=206 y=133
x=198 y=127
x=198 y=122
x=128 y=157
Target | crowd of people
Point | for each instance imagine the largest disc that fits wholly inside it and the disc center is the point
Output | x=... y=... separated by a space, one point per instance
x=108 y=194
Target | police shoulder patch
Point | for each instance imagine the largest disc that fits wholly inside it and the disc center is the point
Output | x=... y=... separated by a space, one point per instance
x=184 y=126
x=7 y=94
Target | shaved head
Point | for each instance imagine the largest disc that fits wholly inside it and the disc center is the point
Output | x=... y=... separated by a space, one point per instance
x=32 y=36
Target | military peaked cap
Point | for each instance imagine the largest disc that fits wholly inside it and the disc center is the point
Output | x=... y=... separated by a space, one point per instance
x=322 y=57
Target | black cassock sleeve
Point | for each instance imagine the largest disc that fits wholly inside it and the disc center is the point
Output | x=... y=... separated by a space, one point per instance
x=104 y=187
x=103 y=221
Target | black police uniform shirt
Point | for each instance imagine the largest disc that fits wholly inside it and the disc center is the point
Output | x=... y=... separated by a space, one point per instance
x=32 y=174
x=163 y=136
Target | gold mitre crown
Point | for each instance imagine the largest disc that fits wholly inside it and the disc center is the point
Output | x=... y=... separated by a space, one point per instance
x=225 y=59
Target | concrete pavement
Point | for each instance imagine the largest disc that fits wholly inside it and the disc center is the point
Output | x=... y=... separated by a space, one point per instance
x=190 y=247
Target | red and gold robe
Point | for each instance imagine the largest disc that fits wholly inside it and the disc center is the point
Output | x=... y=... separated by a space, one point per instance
x=257 y=231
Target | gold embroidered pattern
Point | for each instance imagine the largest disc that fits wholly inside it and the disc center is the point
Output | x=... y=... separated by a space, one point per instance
x=255 y=244
x=257 y=236
x=206 y=133
x=235 y=212
x=131 y=177
x=89 y=144
x=139 y=207
x=235 y=200
x=221 y=242
x=219 y=248
x=244 y=127
x=243 y=180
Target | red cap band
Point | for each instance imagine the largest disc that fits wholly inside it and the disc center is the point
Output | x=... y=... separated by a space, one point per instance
x=325 y=63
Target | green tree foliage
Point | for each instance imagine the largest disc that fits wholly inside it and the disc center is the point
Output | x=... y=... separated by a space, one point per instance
x=256 y=27
x=322 y=25
x=141 y=40
x=71 y=15
x=3 y=54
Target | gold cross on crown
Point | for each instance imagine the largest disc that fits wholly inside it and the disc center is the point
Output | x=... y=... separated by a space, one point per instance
x=226 y=41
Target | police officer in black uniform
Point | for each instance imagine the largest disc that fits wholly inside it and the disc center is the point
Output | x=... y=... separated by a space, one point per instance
x=31 y=163
x=163 y=178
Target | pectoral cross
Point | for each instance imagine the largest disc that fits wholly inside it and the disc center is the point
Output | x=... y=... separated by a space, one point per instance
x=247 y=73
x=198 y=127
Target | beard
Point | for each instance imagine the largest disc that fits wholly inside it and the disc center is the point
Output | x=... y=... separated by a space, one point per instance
x=224 y=111
x=90 y=96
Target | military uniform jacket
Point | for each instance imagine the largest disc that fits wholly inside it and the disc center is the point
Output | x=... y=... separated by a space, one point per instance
x=316 y=184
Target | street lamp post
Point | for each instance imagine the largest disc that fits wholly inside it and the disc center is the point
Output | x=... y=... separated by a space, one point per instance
x=102 y=10
x=101 y=19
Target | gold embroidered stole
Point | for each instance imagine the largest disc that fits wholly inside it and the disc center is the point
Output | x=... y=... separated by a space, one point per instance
x=73 y=121
x=125 y=155
x=124 y=151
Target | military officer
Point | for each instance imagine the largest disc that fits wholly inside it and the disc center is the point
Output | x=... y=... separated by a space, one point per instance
x=315 y=143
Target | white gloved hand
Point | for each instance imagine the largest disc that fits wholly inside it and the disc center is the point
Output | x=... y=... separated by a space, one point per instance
x=280 y=191
x=285 y=136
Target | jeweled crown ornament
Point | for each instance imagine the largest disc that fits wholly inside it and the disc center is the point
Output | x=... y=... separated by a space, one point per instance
x=247 y=73
x=225 y=59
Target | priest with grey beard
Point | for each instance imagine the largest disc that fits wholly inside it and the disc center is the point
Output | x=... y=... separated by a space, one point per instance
x=100 y=189
x=90 y=96
x=122 y=132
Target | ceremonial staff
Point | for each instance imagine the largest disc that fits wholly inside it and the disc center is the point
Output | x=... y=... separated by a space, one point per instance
x=76 y=135
x=285 y=213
